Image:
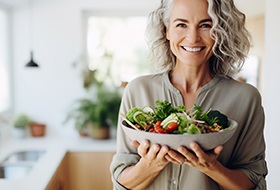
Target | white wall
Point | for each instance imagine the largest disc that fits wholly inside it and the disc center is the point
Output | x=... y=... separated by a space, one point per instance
x=272 y=91
x=58 y=33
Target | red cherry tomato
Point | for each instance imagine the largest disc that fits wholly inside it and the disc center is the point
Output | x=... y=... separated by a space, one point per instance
x=172 y=126
x=158 y=128
x=152 y=130
x=158 y=123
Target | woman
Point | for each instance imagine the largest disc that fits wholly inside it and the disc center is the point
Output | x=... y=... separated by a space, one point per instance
x=200 y=45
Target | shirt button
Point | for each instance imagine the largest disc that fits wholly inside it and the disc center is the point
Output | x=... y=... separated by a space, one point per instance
x=174 y=182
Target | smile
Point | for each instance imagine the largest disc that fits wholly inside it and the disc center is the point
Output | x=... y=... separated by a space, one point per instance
x=190 y=49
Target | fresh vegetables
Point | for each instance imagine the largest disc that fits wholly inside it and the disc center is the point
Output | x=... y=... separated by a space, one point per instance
x=165 y=118
x=164 y=109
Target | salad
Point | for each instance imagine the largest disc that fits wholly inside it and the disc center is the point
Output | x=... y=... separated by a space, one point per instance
x=165 y=118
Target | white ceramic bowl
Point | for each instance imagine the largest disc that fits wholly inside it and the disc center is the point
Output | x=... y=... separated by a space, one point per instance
x=207 y=141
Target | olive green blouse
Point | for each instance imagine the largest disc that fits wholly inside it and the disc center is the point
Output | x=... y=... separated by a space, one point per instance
x=245 y=151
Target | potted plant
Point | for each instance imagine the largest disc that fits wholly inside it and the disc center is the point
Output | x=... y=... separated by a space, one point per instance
x=37 y=129
x=81 y=115
x=105 y=113
x=96 y=116
x=20 y=124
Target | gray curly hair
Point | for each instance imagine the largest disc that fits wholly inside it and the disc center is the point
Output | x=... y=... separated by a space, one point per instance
x=232 y=39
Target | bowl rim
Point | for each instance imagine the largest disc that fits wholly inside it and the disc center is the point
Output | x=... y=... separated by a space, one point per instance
x=213 y=137
x=233 y=126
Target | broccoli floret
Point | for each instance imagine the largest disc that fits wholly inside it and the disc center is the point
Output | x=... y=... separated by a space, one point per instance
x=215 y=116
x=130 y=114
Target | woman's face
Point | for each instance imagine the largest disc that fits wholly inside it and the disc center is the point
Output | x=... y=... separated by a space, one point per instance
x=189 y=32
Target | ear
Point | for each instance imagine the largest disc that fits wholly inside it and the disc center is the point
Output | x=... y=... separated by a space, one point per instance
x=167 y=34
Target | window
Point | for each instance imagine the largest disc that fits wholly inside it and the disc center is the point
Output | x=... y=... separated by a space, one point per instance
x=116 y=47
x=5 y=100
x=250 y=71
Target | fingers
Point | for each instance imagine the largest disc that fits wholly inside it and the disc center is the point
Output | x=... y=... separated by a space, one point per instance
x=218 y=150
x=199 y=153
x=135 y=143
x=196 y=157
x=157 y=152
x=163 y=151
x=170 y=159
x=143 y=148
x=150 y=152
x=189 y=157
x=175 y=157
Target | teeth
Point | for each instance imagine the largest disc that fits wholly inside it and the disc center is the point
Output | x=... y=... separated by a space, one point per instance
x=192 y=49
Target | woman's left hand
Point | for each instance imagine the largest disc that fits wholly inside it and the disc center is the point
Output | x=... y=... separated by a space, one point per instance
x=195 y=157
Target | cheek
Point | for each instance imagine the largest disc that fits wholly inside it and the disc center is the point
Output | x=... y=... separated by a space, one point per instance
x=211 y=41
x=208 y=40
x=173 y=36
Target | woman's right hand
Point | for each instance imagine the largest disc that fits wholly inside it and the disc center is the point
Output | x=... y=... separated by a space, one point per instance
x=142 y=174
x=152 y=156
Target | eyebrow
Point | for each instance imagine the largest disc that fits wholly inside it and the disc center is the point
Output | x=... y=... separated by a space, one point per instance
x=184 y=20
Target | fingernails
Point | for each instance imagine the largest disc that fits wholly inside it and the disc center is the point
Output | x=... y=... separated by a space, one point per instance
x=193 y=145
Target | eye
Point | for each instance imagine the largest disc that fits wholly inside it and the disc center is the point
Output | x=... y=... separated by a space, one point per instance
x=181 y=25
x=206 y=25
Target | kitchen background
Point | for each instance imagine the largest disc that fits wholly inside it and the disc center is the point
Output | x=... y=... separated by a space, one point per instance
x=56 y=30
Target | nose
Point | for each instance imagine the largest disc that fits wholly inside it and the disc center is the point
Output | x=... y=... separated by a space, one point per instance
x=192 y=35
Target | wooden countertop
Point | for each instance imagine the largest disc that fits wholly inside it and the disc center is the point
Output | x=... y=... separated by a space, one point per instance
x=55 y=148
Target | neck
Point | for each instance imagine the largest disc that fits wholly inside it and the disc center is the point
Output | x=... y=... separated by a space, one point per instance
x=190 y=81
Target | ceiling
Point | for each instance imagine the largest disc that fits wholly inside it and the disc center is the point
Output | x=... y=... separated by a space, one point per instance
x=249 y=7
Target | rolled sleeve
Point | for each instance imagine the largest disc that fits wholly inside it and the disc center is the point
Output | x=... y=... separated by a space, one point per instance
x=119 y=163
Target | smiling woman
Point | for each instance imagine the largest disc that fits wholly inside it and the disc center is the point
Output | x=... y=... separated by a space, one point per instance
x=200 y=45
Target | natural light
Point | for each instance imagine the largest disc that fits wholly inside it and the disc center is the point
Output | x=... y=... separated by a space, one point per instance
x=4 y=82
x=117 y=47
